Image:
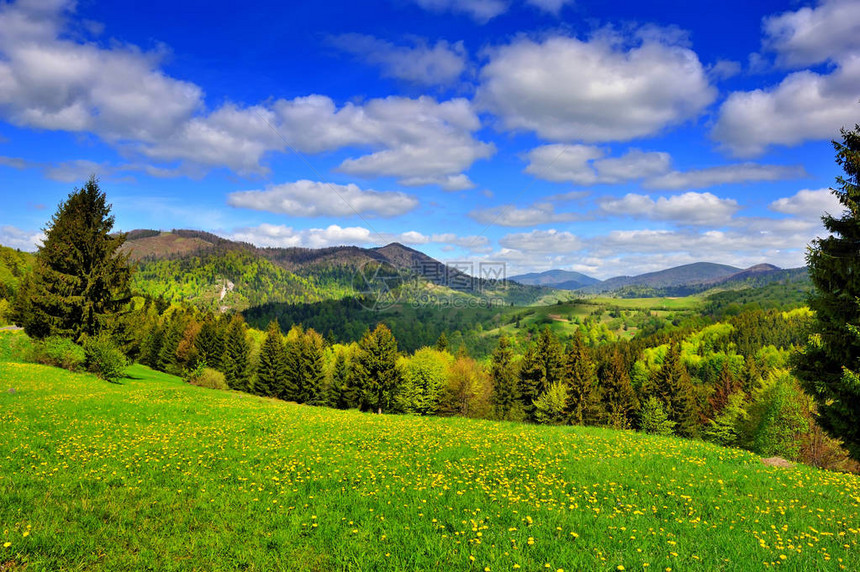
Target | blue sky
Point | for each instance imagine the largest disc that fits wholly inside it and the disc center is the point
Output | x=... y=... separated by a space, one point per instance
x=607 y=138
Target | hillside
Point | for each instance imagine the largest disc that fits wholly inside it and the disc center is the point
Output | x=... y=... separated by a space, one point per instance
x=696 y=273
x=200 y=479
x=561 y=279
x=212 y=272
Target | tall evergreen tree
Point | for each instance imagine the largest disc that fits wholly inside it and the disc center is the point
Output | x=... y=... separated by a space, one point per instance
x=674 y=387
x=829 y=366
x=311 y=369
x=532 y=381
x=342 y=393
x=724 y=387
x=619 y=398
x=505 y=395
x=271 y=371
x=581 y=376
x=376 y=374
x=167 y=358
x=442 y=343
x=543 y=364
x=80 y=280
x=236 y=361
x=209 y=343
x=291 y=388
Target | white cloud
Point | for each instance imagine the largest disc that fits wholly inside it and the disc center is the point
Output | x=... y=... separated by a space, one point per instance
x=807 y=204
x=440 y=64
x=283 y=236
x=459 y=182
x=510 y=215
x=122 y=95
x=813 y=35
x=542 y=241
x=313 y=199
x=482 y=11
x=565 y=89
x=14 y=237
x=696 y=209
x=805 y=105
x=586 y=165
x=552 y=6
x=724 y=174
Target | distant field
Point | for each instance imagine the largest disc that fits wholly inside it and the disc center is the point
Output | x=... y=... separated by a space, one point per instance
x=155 y=474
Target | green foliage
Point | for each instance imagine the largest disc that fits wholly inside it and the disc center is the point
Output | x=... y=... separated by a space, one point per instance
x=424 y=377
x=830 y=361
x=653 y=418
x=618 y=395
x=551 y=407
x=271 y=371
x=236 y=361
x=673 y=386
x=80 y=280
x=778 y=417
x=725 y=427
x=342 y=393
x=468 y=389
x=377 y=376
x=58 y=351
x=581 y=376
x=503 y=373
x=208 y=378
x=104 y=358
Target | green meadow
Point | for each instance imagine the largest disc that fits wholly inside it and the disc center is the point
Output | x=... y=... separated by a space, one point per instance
x=155 y=474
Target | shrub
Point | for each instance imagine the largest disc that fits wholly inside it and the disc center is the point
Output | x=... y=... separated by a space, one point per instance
x=208 y=378
x=57 y=352
x=104 y=358
x=653 y=418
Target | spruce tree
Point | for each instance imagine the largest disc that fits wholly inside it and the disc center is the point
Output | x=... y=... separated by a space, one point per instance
x=531 y=380
x=271 y=371
x=167 y=359
x=236 y=362
x=80 y=280
x=505 y=394
x=209 y=343
x=829 y=366
x=674 y=387
x=311 y=369
x=376 y=374
x=581 y=376
x=291 y=387
x=341 y=393
x=619 y=398
x=442 y=343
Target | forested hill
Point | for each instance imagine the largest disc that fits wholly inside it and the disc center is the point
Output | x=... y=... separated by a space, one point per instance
x=215 y=273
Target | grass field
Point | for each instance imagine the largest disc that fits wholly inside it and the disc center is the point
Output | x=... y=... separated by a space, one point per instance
x=153 y=474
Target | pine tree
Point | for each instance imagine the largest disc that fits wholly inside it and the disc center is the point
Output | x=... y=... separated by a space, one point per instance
x=829 y=365
x=80 y=280
x=530 y=384
x=342 y=394
x=167 y=359
x=619 y=398
x=376 y=374
x=543 y=364
x=725 y=386
x=311 y=372
x=271 y=371
x=505 y=391
x=581 y=376
x=209 y=343
x=442 y=343
x=673 y=386
x=236 y=362
x=291 y=388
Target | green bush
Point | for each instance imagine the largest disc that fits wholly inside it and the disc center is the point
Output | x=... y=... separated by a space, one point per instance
x=104 y=358
x=550 y=407
x=208 y=378
x=57 y=352
x=653 y=418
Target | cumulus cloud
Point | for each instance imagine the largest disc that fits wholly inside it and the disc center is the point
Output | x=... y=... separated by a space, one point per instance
x=696 y=209
x=805 y=105
x=807 y=204
x=482 y=11
x=120 y=93
x=603 y=89
x=313 y=199
x=812 y=35
x=283 y=236
x=542 y=241
x=511 y=215
x=588 y=165
x=724 y=174
x=552 y=6
x=422 y=64
x=14 y=237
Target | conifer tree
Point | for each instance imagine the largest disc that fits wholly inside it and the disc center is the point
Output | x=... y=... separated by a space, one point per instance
x=543 y=364
x=505 y=395
x=167 y=359
x=311 y=372
x=619 y=398
x=209 y=343
x=236 y=362
x=442 y=343
x=531 y=380
x=829 y=366
x=376 y=374
x=291 y=387
x=581 y=376
x=271 y=371
x=724 y=387
x=342 y=394
x=673 y=386
x=80 y=280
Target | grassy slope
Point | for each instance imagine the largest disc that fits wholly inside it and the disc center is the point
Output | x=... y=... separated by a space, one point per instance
x=155 y=474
